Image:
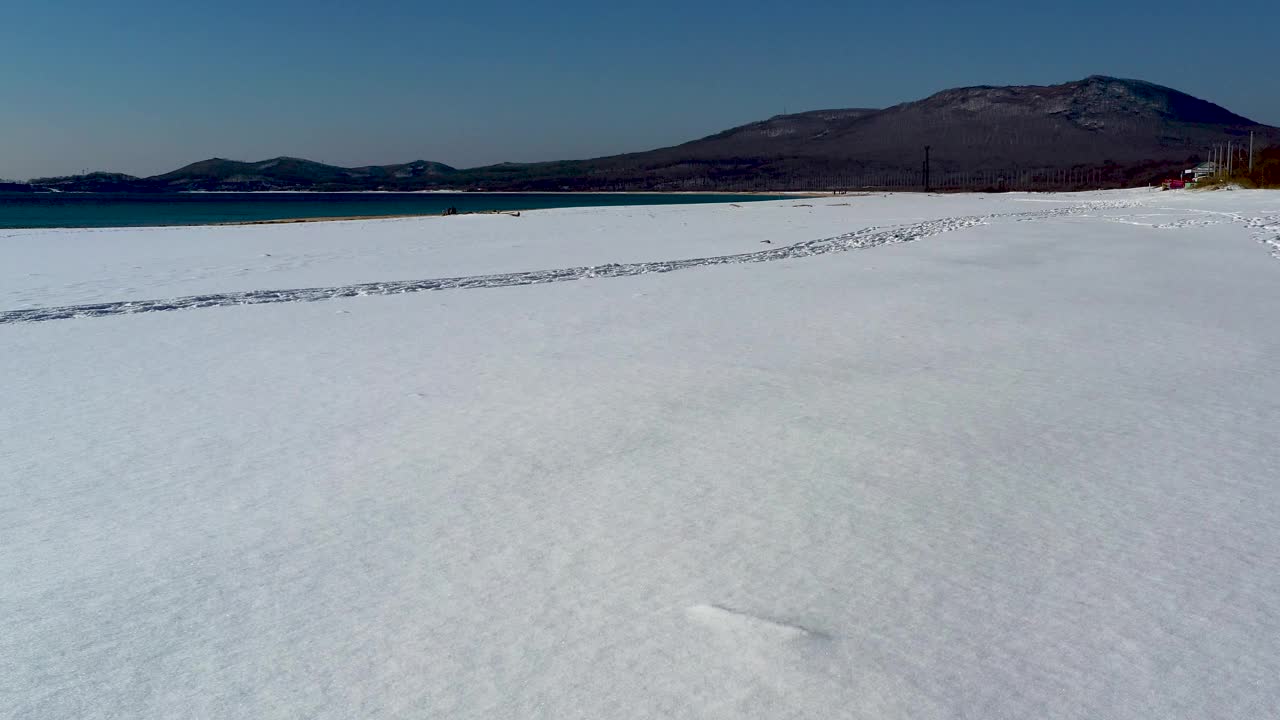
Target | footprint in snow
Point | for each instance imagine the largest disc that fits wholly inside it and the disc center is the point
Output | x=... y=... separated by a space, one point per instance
x=754 y=629
x=783 y=653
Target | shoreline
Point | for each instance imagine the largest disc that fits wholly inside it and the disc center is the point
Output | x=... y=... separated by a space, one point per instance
x=346 y=218
x=487 y=192
x=709 y=193
x=723 y=199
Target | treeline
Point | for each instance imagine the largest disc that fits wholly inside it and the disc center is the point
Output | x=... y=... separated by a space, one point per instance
x=987 y=180
x=1265 y=173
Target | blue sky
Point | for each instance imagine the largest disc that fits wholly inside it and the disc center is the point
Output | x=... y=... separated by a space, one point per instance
x=142 y=86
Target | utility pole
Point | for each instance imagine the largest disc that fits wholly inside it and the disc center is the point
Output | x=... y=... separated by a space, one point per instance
x=926 y=168
x=1250 y=151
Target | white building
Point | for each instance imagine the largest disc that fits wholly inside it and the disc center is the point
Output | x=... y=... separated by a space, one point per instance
x=1203 y=170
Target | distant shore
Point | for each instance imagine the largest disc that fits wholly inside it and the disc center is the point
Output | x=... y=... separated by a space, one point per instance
x=71 y=210
x=344 y=218
x=788 y=193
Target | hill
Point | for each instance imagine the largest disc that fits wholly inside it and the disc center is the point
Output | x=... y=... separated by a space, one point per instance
x=1119 y=131
x=94 y=182
x=295 y=173
x=1099 y=131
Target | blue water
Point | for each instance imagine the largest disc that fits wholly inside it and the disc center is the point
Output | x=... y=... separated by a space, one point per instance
x=46 y=210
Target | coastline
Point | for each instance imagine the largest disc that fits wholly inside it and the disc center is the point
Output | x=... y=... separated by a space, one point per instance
x=787 y=193
x=346 y=218
x=101 y=210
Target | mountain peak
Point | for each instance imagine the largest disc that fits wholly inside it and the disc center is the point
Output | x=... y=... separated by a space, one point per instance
x=1091 y=100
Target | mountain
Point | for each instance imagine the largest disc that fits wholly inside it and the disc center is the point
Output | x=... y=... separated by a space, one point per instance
x=1122 y=130
x=1099 y=131
x=291 y=173
x=95 y=182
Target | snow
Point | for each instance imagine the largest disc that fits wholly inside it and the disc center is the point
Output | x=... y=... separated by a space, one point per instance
x=1021 y=465
x=45 y=268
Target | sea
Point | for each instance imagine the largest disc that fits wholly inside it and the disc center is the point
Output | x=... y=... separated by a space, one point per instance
x=86 y=210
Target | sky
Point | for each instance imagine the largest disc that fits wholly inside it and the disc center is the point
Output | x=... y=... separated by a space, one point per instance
x=144 y=87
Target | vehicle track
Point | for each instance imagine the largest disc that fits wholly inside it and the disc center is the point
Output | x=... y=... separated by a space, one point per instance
x=865 y=238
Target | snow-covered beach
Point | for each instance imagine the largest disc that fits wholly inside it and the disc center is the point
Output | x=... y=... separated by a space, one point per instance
x=960 y=456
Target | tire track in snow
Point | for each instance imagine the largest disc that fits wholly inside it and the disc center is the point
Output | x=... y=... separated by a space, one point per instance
x=865 y=238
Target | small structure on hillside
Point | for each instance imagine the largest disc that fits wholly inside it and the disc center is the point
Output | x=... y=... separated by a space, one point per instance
x=1203 y=170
